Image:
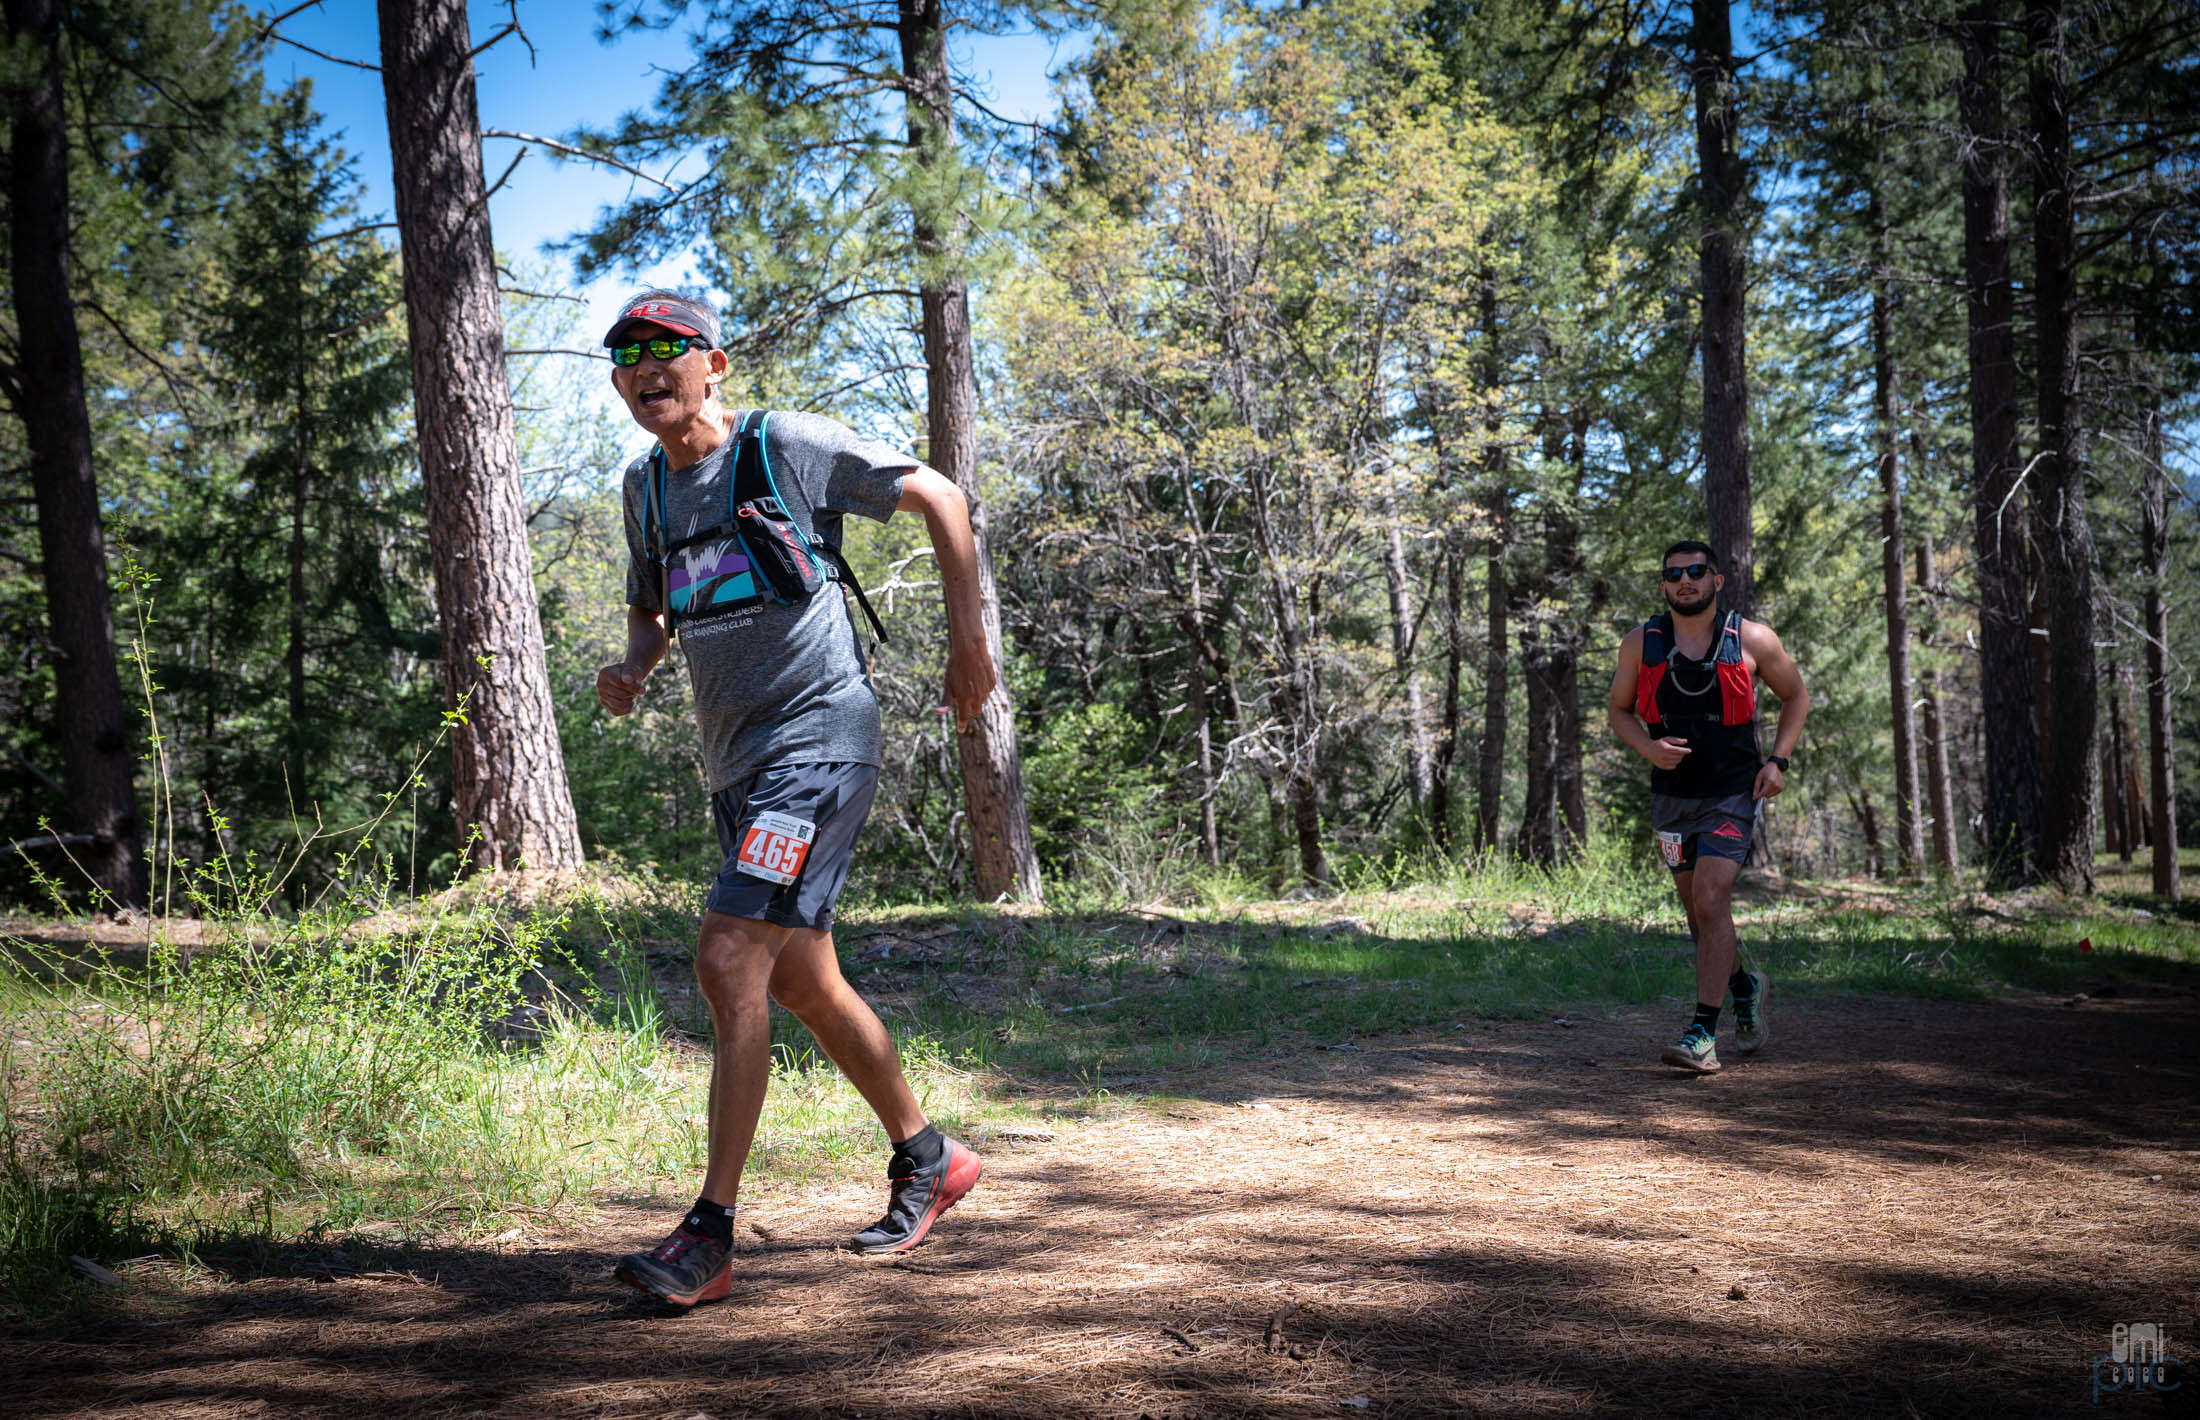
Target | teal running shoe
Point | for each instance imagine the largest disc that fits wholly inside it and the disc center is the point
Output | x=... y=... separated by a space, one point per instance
x=1750 y=1012
x=1695 y=1051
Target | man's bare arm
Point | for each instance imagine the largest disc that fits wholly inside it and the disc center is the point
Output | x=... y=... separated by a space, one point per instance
x=618 y=686
x=1777 y=669
x=970 y=672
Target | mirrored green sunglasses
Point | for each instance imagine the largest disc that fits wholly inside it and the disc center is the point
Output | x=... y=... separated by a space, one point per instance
x=662 y=348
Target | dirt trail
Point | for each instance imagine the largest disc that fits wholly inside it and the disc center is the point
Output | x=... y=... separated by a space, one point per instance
x=1901 y=1208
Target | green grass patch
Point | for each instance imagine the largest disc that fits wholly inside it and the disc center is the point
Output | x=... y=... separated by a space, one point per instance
x=442 y=1068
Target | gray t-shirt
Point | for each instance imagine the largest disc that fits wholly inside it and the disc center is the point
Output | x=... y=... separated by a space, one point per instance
x=773 y=684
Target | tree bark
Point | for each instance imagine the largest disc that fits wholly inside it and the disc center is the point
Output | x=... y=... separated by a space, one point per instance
x=2161 y=747
x=1571 y=639
x=1490 y=765
x=1909 y=843
x=1418 y=767
x=2012 y=745
x=90 y=720
x=1723 y=252
x=1452 y=549
x=1440 y=808
x=2133 y=790
x=1867 y=822
x=1537 y=839
x=2060 y=522
x=508 y=773
x=992 y=766
x=1940 y=785
x=2112 y=786
x=301 y=477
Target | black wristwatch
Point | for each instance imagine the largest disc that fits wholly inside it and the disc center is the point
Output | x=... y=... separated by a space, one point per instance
x=1779 y=759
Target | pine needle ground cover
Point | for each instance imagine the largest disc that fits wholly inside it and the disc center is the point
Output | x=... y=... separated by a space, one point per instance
x=1405 y=1147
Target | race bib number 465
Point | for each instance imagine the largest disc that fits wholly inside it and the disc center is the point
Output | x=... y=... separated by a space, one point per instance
x=774 y=847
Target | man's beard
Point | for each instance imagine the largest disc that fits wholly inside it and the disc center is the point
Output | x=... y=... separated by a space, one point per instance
x=1703 y=601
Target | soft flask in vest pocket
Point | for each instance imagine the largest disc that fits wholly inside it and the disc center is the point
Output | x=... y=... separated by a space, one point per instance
x=777 y=551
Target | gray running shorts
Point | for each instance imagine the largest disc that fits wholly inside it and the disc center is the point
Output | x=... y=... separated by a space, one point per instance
x=789 y=834
x=1691 y=828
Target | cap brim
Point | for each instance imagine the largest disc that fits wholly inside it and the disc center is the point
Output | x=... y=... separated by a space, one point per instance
x=672 y=325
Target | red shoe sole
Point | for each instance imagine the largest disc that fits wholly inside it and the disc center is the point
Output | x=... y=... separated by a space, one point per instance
x=963 y=1173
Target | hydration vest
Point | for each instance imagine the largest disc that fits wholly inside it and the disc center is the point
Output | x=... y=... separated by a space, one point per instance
x=1737 y=694
x=778 y=560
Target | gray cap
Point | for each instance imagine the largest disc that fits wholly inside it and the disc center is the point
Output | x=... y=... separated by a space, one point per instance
x=675 y=312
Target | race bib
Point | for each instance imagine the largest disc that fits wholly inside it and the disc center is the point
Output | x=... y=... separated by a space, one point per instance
x=774 y=847
x=1669 y=847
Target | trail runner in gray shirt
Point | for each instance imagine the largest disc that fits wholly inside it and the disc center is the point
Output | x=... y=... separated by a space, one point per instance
x=790 y=730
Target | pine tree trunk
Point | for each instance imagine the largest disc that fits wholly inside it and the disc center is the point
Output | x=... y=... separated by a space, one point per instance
x=1723 y=253
x=508 y=772
x=1867 y=823
x=2112 y=785
x=1440 y=809
x=294 y=653
x=47 y=389
x=1415 y=727
x=1940 y=785
x=1489 y=778
x=1537 y=840
x=2012 y=745
x=1909 y=842
x=2132 y=792
x=1453 y=551
x=1490 y=763
x=1570 y=638
x=2161 y=749
x=992 y=765
x=2059 y=520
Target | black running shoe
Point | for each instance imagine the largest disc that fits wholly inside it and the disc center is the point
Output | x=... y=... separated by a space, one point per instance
x=919 y=1198
x=684 y=1269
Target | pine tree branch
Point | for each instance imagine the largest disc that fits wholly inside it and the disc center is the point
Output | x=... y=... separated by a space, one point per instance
x=323 y=54
x=269 y=28
x=268 y=269
x=506 y=176
x=511 y=27
x=818 y=401
x=578 y=153
x=182 y=398
x=559 y=350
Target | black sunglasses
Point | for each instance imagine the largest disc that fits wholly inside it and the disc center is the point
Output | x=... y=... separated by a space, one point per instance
x=660 y=349
x=1694 y=572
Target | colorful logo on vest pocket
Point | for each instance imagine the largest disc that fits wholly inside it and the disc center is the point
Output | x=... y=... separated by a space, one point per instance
x=713 y=574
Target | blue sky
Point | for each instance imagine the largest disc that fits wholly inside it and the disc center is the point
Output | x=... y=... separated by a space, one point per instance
x=572 y=80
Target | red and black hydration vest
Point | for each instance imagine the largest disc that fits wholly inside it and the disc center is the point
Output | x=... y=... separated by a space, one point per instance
x=1710 y=704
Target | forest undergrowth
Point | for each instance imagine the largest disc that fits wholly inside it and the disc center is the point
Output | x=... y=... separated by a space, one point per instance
x=519 y=1047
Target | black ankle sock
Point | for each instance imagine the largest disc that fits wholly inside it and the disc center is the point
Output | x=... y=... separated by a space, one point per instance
x=1707 y=1017
x=922 y=1148
x=1741 y=983
x=712 y=1220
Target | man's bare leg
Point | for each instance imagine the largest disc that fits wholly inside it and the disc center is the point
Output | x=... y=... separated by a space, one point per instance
x=929 y=1171
x=1711 y=919
x=734 y=958
x=806 y=980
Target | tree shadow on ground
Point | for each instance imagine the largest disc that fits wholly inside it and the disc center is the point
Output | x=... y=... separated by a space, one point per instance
x=1901 y=1207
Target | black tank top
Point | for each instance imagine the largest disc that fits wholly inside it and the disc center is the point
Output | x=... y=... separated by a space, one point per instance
x=1722 y=759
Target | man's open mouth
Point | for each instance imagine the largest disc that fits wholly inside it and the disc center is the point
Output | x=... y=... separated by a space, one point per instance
x=652 y=399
